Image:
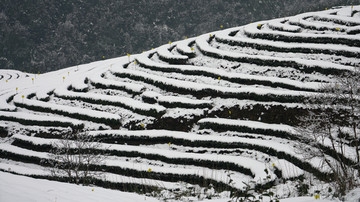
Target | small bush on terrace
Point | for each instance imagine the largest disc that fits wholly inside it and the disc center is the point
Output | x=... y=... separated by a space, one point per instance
x=72 y=156
x=332 y=131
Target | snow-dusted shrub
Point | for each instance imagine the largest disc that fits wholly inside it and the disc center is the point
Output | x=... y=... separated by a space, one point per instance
x=252 y=32
x=73 y=157
x=332 y=132
x=207 y=91
x=302 y=65
x=165 y=55
x=233 y=77
x=277 y=46
x=27 y=119
x=70 y=112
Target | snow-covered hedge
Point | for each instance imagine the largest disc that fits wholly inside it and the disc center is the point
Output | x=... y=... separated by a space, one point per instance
x=165 y=55
x=40 y=120
x=268 y=112
x=306 y=24
x=252 y=32
x=204 y=90
x=281 y=26
x=111 y=181
x=79 y=85
x=3 y=130
x=221 y=124
x=100 y=82
x=260 y=44
x=173 y=157
x=44 y=94
x=253 y=168
x=184 y=48
x=10 y=75
x=175 y=101
x=112 y=120
x=308 y=66
x=271 y=148
x=230 y=76
x=342 y=20
x=125 y=102
x=4 y=102
x=353 y=30
x=125 y=170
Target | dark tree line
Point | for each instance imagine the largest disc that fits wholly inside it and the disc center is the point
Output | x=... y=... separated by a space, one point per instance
x=40 y=36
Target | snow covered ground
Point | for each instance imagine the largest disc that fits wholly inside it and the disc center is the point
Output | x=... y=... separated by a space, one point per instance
x=26 y=189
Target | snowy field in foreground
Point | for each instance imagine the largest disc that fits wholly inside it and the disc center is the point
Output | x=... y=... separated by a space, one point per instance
x=25 y=189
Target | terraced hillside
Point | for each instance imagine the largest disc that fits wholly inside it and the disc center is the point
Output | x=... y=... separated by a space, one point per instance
x=217 y=110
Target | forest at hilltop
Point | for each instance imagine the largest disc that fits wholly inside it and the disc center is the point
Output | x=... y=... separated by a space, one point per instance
x=41 y=36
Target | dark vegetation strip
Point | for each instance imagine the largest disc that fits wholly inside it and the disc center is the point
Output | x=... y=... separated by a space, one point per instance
x=244 y=81
x=41 y=123
x=267 y=113
x=3 y=131
x=273 y=63
x=169 y=104
x=276 y=133
x=82 y=90
x=299 y=39
x=337 y=21
x=312 y=27
x=121 y=186
x=10 y=98
x=211 y=92
x=192 y=179
x=113 y=123
x=282 y=29
x=136 y=140
x=266 y=47
x=270 y=151
x=179 y=161
x=174 y=60
x=190 y=55
x=115 y=87
x=144 y=140
x=151 y=112
x=183 y=105
x=354 y=31
x=144 y=189
x=245 y=129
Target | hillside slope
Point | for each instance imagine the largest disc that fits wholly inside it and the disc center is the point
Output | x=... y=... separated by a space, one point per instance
x=216 y=111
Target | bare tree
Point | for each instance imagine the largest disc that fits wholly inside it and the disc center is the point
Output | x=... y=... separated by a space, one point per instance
x=73 y=156
x=347 y=91
x=330 y=130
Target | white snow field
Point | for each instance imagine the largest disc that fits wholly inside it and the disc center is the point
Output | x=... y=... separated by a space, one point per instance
x=195 y=119
x=20 y=188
